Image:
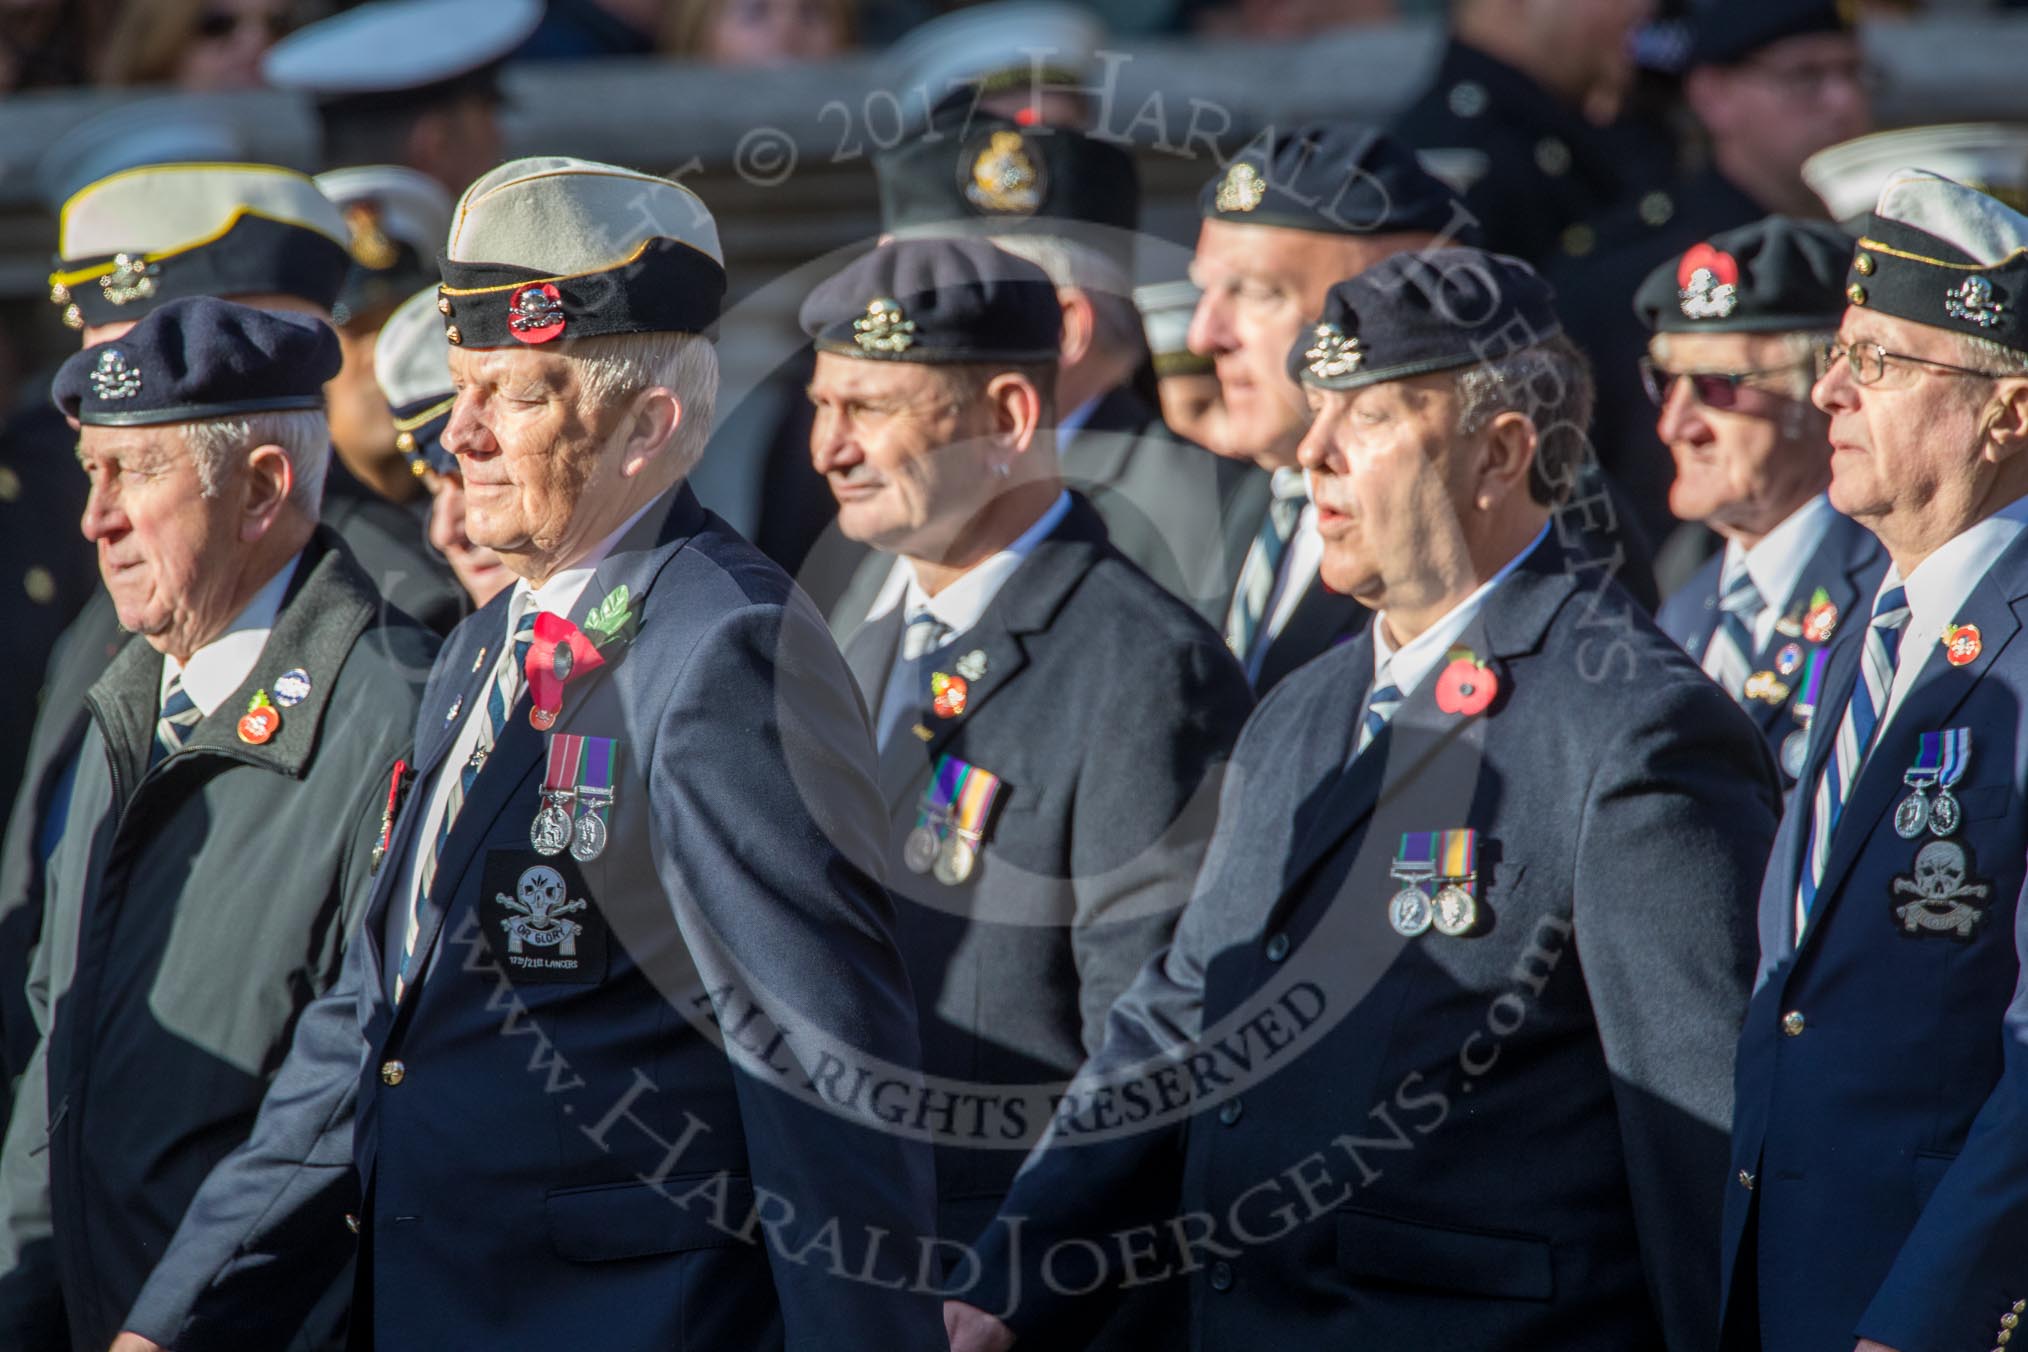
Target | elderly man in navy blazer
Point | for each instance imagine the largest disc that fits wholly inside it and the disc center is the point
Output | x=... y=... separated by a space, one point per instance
x=1052 y=722
x=1879 y=1192
x=582 y=1076
x=1737 y=322
x=1448 y=1014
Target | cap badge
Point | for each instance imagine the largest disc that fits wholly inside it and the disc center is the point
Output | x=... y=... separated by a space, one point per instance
x=1972 y=301
x=535 y=312
x=1006 y=180
x=113 y=378
x=1708 y=283
x=883 y=328
x=1243 y=189
x=370 y=246
x=1331 y=354
x=131 y=279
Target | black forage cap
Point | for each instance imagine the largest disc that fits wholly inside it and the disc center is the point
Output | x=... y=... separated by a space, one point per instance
x=939 y=301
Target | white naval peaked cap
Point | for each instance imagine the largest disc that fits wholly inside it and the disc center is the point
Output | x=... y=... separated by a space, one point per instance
x=1943 y=254
x=392 y=46
x=411 y=358
x=142 y=237
x=412 y=207
x=552 y=246
x=998 y=45
x=1989 y=156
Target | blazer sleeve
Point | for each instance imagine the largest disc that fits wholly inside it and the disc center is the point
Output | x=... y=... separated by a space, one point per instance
x=265 y=1236
x=1964 y=1268
x=768 y=836
x=1147 y=800
x=1676 y=831
x=31 y=1292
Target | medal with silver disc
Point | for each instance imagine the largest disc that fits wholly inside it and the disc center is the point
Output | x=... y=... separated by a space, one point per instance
x=551 y=831
x=1455 y=909
x=919 y=851
x=956 y=859
x=933 y=815
x=597 y=763
x=1410 y=911
x=1953 y=756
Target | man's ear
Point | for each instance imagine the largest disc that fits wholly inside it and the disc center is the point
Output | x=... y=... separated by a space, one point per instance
x=1017 y=410
x=650 y=429
x=2006 y=419
x=1080 y=325
x=269 y=479
x=1506 y=457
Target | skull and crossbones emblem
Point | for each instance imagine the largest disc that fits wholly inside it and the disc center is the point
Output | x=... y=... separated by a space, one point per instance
x=539 y=900
x=1940 y=885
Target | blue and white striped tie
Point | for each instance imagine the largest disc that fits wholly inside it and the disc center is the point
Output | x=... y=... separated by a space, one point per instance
x=1729 y=658
x=503 y=691
x=1246 y=618
x=1855 y=735
x=1380 y=706
x=179 y=715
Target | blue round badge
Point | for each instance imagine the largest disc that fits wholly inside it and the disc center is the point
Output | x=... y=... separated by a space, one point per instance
x=292 y=687
x=1789 y=659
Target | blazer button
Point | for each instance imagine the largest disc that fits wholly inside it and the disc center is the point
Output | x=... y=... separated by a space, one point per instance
x=1278 y=948
x=1221 y=1276
x=1746 y=1180
x=352 y=1222
x=1229 y=1111
x=392 y=1073
x=1792 y=1023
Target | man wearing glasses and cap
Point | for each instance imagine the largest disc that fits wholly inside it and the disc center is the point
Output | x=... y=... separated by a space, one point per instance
x=1738 y=321
x=1879 y=1188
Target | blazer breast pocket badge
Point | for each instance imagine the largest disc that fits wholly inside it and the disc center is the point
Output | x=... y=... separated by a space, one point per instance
x=1440 y=873
x=539 y=919
x=950 y=822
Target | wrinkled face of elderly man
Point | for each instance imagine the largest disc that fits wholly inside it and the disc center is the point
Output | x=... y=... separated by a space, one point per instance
x=1927 y=429
x=917 y=453
x=1735 y=415
x=559 y=448
x=179 y=515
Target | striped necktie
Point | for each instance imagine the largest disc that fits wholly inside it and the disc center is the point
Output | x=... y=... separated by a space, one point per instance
x=179 y=715
x=502 y=692
x=1380 y=706
x=925 y=633
x=908 y=685
x=1855 y=735
x=1245 y=619
x=1729 y=658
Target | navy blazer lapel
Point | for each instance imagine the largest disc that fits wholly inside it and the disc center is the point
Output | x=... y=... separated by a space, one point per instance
x=870 y=654
x=1938 y=691
x=1837 y=566
x=1705 y=581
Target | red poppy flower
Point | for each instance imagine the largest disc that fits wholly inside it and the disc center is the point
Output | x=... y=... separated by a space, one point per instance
x=1466 y=687
x=560 y=654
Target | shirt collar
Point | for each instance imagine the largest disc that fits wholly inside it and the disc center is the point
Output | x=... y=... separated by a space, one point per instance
x=1073 y=422
x=1408 y=666
x=222 y=665
x=559 y=595
x=1940 y=583
x=960 y=605
x=1776 y=564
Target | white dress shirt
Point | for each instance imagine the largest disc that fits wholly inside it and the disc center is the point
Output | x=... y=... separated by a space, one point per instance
x=1937 y=589
x=222 y=665
x=1776 y=563
x=1408 y=666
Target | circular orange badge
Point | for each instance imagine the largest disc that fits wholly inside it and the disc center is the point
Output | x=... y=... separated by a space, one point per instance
x=259 y=725
x=947 y=695
x=1961 y=644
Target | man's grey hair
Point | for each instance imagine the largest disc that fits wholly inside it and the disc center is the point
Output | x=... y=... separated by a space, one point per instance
x=303 y=435
x=1550 y=382
x=1073 y=264
x=616 y=367
x=1987 y=355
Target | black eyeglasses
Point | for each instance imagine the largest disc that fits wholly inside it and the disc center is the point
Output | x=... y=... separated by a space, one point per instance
x=1867 y=362
x=1713 y=389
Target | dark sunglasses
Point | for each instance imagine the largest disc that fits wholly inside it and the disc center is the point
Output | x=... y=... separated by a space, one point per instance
x=216 y=24
x=1713 y=389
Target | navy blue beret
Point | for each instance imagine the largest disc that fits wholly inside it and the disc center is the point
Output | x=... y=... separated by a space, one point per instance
x=1337 y=178
x=1729 y=31
x=1776 y=275
x=199 y=358
x=937 y=300
x=1416 y=313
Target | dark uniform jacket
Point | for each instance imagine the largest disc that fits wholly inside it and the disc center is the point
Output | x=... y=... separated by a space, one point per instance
x=1106 y=709
x=390 y=542
x=1846 y=565
x=1183 y=515
x=1321 y=621
x=1500 y=1141
x=1879 y=1179
x=1535 y=167
x=193 y=909
x=1595 y=297
x=541 y=1150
